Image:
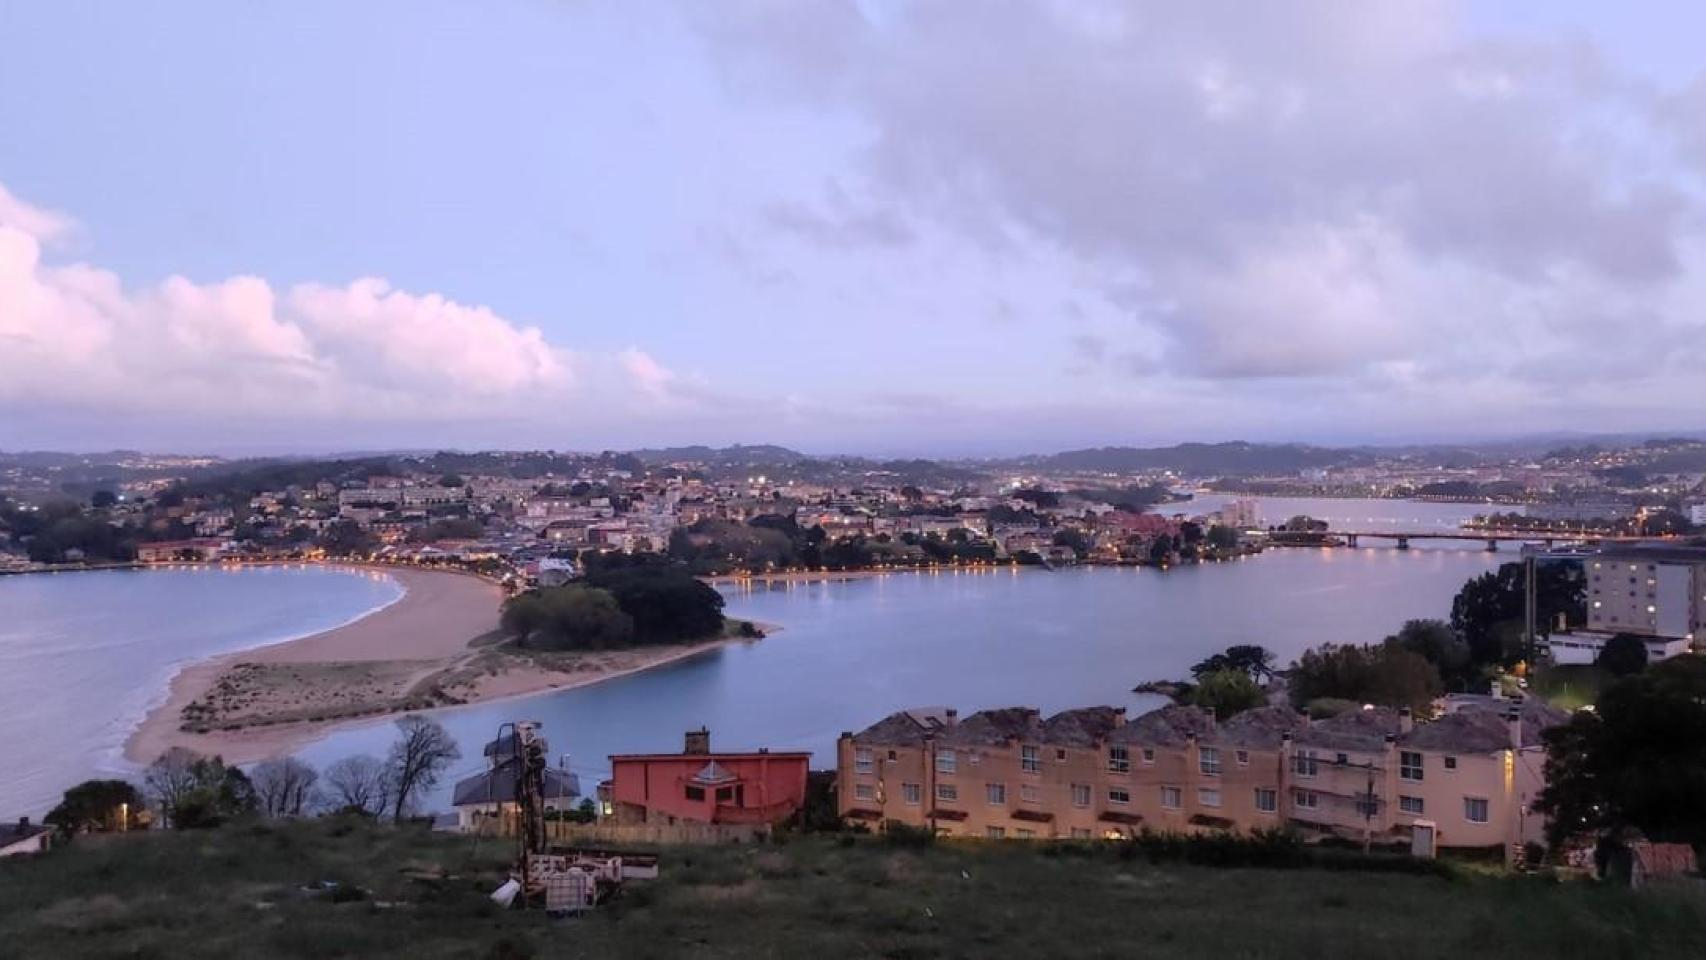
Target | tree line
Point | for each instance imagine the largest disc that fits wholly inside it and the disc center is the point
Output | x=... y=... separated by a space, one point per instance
x=188 y=790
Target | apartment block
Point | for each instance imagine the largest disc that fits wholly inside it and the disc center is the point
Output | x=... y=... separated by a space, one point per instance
x=1648 y=591
x=1469 y=776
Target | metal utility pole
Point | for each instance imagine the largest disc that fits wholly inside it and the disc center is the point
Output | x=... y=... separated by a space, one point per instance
x=1530 y=606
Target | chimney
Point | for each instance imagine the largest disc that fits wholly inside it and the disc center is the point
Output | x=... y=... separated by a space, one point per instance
x=698 y=742
x=23 y=824
x=953 y=716
x=1513 y=719
x=1406 y=720
x=1119 y=717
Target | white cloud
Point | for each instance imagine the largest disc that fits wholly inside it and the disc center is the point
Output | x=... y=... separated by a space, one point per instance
x=74 y=336
x=1380 y=205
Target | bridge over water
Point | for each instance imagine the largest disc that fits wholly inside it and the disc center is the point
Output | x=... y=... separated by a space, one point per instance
x=1492 y=538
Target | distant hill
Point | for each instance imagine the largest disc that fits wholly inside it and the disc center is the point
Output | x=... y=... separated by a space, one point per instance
x=1202 y=459
x=761 y=453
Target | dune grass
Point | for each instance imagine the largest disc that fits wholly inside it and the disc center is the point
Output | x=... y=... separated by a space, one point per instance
x=237 y=892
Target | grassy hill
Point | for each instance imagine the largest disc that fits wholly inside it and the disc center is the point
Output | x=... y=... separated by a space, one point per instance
x=237 y=892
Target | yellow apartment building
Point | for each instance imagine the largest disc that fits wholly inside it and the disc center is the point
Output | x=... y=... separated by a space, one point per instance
x=1470 y=776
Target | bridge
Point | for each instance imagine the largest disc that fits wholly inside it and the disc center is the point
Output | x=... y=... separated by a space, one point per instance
x=1492 y=538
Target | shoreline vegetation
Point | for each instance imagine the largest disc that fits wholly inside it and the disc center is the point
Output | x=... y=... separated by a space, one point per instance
x=438 y=646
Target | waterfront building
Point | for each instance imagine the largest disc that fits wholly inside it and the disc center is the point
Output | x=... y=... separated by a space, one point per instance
x=1469 y=778
x=698 y=786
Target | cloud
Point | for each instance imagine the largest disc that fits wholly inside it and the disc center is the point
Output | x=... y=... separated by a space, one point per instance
x=74 y=336
x=1277 y=191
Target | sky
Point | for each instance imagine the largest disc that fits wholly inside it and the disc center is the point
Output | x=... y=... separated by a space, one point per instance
x=872 y=226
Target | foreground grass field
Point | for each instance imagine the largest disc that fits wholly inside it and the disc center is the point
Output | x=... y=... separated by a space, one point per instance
x=238 y=892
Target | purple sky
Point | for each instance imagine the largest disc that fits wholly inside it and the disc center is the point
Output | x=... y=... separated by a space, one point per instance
x=882 y=227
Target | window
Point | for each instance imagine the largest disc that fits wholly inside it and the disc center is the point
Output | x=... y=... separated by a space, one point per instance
x=1024 y=834
x=946 y=762
x=892 y=756
x=695 y=793
x=1267 y=800
x=1148 y=756
x=1306 y=799
x=863 y=762
x=1208 y=796
x=1028 y=793
x=1342 y=759
x=1119 y=795
x=1451 y=763
x=864 y=791
x=1080 y=833
x=1410 y=805
x=1081 y=794
x=1171 y=798
x=996 y=793
x=1030 y=760
x=911 y=794
x=1475 y=809
x=1409 y=765
x=995 y=833
x=1208 y=760
x=1305 y=763
x=725 y=794
x=1119 y=761
x=1060 y=755
x=1243 y=758
x=947 y=792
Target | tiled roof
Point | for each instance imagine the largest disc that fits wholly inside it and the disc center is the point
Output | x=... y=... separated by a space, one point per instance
x=1261 y=728
x=1084 y=727
x=498 y=786
x=1170 y=726
x=903 y=728
x=1483 y=728
x=1364 y=731
x=994 y=727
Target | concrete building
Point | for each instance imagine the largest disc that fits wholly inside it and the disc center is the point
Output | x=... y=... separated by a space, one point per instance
x=1469 y=778
x=1649 y=591
x=698 y=786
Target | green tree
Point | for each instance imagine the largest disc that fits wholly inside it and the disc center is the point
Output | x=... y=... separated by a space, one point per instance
x=1622 y=655
x=1638 y=761
x=195 y=792
x=96 y=806
x=1226 y=693
x=571 y=617
x=1255 y=662
x=1222 y=537
x=346 y=538
x=667 y=604
x=1077 y=540
x=1385 y=674
x=1488 y=611
x=1436 y=642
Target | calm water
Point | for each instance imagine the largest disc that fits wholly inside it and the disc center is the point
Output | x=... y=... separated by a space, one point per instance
x=851 y=652
x=83 y=656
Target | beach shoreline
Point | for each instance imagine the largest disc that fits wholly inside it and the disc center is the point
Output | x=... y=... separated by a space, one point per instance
x=421 y=652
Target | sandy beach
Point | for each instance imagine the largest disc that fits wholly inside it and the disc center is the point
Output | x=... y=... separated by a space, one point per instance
x=430 y=649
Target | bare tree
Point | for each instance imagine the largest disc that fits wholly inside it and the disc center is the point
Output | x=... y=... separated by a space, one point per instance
x=422 y=750
x=360 y=783
x=284 y=786
x=171 y=778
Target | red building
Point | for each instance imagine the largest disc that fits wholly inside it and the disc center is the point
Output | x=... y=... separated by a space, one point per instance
x=699 y=786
